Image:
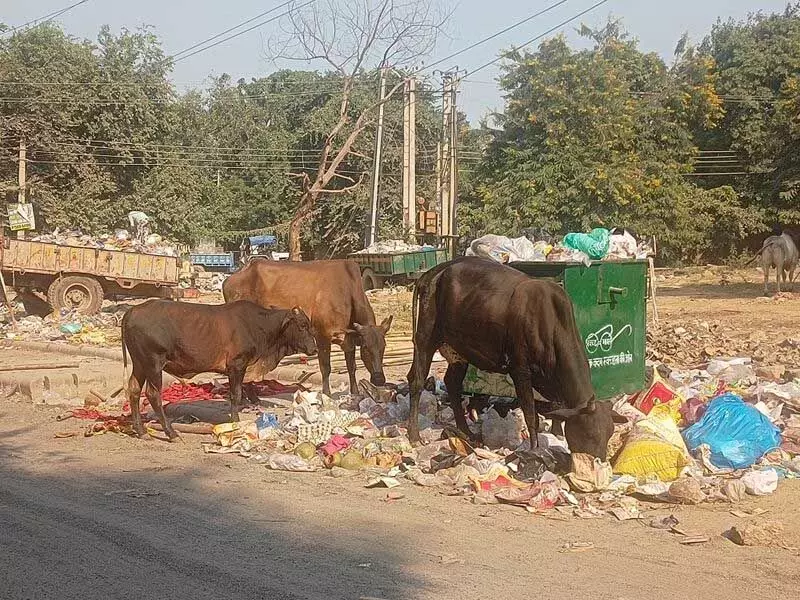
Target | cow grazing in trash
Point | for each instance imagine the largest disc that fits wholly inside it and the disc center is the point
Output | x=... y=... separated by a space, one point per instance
x=186 y=339
x=330 y=292
x=476 y=311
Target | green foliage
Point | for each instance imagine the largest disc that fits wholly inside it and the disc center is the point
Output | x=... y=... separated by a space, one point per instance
x=758 y=61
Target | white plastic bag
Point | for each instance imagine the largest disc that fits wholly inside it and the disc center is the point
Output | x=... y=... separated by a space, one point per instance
x=499 y=432
x=760 y=483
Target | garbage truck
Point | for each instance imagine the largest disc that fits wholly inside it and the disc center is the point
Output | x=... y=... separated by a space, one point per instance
x=79 y=278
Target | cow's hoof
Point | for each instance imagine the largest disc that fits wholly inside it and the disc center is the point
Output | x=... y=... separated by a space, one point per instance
x=174 y=437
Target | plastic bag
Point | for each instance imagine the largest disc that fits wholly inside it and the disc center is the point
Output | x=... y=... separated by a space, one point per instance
x=654 y=448
x=737 y=433
x=499 y=432
x=595 y=243
x=533 y=463
x=288 y=462
x=760 y=483
x=589 y=474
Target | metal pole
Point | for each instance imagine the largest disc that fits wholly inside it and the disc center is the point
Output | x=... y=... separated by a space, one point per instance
x=376 y=168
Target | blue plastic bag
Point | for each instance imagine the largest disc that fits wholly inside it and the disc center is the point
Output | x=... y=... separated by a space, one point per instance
x=266 y=420
x=737 y=433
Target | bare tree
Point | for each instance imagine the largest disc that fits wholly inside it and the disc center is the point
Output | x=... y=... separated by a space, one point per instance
x=351 y=37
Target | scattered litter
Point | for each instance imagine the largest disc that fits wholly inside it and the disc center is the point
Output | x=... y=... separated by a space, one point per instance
x=577 y=547
x=686 y=491
x=691 y=540
x=385 y=482
x=668 y=523
x=760 y=483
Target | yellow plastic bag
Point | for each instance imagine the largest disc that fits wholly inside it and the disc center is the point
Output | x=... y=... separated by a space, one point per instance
x=654 y=448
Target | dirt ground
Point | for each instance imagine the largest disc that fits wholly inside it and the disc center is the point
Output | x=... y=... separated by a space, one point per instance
x=111 y=516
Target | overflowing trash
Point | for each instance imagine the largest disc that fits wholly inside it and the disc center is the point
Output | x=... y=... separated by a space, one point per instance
x=121 y=240
x=393 y=247
x=71 y=327
x=599 y=244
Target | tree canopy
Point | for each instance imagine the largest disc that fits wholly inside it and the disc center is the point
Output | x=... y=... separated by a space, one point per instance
x=701 y=151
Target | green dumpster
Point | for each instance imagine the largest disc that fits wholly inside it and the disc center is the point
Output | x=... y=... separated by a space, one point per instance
x=610 y=305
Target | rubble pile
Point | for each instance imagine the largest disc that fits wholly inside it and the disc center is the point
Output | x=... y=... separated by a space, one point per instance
x=695 y=341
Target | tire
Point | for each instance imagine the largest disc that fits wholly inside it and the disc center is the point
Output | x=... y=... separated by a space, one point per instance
x=81 y=294
x=370 y=281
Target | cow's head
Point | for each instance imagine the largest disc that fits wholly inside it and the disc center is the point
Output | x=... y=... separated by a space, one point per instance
x=297 y=333
x=587 y=428
x=372 y=339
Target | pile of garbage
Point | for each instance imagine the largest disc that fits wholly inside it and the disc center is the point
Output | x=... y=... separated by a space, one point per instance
x=599 y=244
x=713 y=434
x=208 y=281
x=393 y=247
x=71 y=327
x=121 y=240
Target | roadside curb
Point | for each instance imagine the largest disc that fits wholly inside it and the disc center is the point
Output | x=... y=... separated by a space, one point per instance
x=285 y=373
x=66 y=349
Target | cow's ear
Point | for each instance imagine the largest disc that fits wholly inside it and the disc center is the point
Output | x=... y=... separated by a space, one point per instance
x=296 y=310
x=386 y=324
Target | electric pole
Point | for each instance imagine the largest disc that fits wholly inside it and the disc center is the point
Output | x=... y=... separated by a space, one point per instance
x=23 y=150
x=447 y=162
x=409 y=156
x=372 y=235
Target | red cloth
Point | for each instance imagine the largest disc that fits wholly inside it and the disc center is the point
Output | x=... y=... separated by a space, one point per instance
x=335 y=444
x=193 y=392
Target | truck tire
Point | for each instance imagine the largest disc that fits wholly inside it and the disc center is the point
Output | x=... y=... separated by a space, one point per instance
x=81 y=294
x=371 y=281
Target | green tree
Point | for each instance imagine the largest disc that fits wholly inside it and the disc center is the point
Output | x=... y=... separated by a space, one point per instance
x=600 y=137
x=757 y=62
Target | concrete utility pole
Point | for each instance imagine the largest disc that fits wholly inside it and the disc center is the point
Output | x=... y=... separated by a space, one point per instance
x=372 y=235
x=23 y=150
x=447 y=161
x=409 y=156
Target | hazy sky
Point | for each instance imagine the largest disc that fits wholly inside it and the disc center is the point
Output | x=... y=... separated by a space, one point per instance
x=181 y=23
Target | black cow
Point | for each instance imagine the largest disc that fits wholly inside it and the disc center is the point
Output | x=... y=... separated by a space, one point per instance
x=477 y=311
x=186 y=339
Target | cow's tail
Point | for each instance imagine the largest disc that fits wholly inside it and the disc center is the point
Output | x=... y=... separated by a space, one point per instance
x=414 y=304
x=757 y=254
x=124 y=359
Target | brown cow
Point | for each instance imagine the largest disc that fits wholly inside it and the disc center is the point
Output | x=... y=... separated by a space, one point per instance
x=330 y=292
x=186 y=339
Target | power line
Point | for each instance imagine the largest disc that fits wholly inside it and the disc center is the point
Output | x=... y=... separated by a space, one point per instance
x=497 y=34
x=242 y=24
x=46 y=18
x=538 y=37
x=235 y=35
